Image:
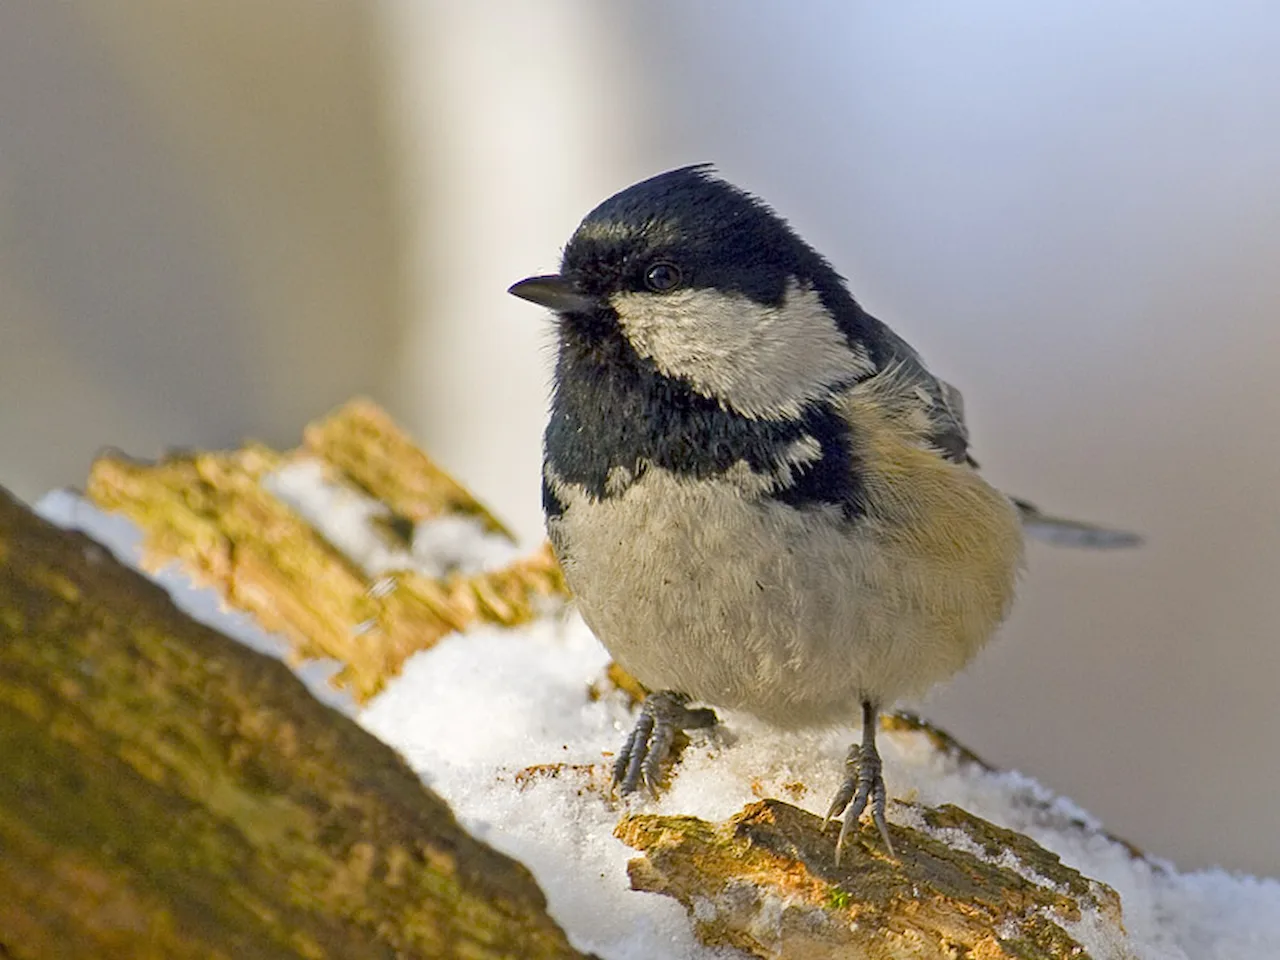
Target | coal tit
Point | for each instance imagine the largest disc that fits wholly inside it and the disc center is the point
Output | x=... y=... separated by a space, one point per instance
x=761 y=497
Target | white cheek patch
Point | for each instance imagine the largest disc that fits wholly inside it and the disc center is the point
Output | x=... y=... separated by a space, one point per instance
x=763 y=362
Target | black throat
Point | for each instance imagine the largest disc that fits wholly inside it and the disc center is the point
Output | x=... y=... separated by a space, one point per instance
x=612 y=409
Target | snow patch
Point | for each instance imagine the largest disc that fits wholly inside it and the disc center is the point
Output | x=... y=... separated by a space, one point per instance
x=349 y=520
x=478 y=707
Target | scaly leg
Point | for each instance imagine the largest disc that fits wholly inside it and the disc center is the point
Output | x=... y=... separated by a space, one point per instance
x=641 y=757
x=862 y=783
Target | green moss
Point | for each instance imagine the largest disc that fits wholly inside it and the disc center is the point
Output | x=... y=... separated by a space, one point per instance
x=838 y=899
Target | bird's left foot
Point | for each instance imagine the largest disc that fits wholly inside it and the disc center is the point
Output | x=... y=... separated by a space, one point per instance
x=863 y=784
x=662 y=715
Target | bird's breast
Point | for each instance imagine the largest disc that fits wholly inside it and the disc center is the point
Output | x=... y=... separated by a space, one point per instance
x=795 y=614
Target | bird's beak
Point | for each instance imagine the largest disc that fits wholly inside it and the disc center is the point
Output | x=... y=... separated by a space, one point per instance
x=555 y=293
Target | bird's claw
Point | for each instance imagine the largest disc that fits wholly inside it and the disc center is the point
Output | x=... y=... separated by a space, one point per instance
x=662 y=716
x=863 y=784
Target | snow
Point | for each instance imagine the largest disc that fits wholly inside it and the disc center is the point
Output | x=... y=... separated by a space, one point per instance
x=479 y=708
x=346 y=518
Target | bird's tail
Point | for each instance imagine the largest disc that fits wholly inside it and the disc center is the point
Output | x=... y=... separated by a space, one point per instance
x=1063 y=532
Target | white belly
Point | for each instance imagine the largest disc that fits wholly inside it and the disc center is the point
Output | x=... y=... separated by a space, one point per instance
x=794 y=616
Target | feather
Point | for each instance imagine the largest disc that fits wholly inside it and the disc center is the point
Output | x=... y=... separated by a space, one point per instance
x=1064 y=532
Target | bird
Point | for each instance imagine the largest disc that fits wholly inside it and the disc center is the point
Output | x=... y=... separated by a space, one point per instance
x=761 y=497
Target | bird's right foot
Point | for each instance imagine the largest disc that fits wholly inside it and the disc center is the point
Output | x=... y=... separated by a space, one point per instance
x=863 y=785
x=662 y=715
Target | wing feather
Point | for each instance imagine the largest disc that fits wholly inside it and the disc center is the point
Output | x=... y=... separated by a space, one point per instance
x=933 y=410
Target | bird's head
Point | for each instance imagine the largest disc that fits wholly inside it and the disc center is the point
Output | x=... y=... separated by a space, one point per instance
x=708 y=285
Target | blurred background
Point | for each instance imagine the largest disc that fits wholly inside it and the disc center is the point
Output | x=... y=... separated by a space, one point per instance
x=220 y=219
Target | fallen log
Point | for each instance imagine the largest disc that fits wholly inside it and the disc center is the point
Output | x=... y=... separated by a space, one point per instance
x=167 y=792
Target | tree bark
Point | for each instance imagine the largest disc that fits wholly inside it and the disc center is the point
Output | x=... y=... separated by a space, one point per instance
x=212 y=512
x=765 y=881
x=167 y=792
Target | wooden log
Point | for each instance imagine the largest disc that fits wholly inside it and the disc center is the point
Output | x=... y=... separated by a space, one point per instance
x=215 y=514
x=765 y=881
x=167 y=792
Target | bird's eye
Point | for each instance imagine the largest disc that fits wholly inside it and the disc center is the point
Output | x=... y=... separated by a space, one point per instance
x=662 y=276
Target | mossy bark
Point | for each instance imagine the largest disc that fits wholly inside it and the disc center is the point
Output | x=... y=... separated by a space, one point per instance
x=765 y=881
x=213 y=513
x=167 y=792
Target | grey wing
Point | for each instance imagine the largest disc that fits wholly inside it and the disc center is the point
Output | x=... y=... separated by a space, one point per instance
x=950 y=418
x=939 y=400
x=943 y=404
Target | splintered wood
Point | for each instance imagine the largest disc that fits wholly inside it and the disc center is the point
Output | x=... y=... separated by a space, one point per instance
x=215 y=515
